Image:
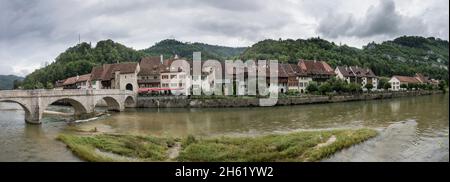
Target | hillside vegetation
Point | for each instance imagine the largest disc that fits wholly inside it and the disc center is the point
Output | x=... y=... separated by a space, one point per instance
x=402 y=56
x=405 y=55
x=170 y=47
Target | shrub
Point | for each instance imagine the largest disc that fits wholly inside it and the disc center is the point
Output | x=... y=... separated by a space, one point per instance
x=369 y=86
x=387 y=85
x=325 y=88
x=404 y=86
x=312 y=87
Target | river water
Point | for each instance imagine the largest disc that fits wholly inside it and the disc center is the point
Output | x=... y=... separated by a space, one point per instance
x=426 y=139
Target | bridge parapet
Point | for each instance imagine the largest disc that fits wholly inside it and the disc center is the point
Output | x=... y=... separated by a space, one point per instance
x=66 y=92
x=35 y=102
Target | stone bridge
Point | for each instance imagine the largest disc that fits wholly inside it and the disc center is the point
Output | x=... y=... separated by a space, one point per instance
x=34 y=102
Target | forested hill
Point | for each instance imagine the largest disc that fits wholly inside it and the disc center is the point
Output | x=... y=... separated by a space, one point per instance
x=170 y=47
x=402 y=56
x=7 y=81
x=79 y=60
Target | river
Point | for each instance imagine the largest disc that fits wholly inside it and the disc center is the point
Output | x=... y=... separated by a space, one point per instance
x=424 y=140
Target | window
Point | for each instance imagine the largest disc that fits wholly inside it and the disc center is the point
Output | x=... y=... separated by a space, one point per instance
x=165 y=77
x=155 y=77
x=173 y=85
x=173 y=76
x=301 y=84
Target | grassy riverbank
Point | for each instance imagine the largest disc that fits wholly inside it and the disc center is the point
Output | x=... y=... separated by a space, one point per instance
x=297 y=146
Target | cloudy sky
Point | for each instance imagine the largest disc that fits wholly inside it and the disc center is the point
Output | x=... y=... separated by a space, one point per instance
x=33 y=32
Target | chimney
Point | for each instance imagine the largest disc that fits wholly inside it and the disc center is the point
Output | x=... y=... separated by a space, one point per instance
x=78 y=77
x=161 y=57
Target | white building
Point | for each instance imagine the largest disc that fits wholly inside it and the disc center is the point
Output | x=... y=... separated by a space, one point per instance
x=121 y=76
x=76 y=82
x=397 y=81
x=358 y=75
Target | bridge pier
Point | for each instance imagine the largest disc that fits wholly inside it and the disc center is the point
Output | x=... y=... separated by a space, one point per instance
x=33 y=113
x=33 y=118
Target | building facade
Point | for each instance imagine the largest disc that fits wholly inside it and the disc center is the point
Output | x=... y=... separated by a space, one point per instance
x=76 y=82
x=121 y=76
x=358 y=75
x=397 y=81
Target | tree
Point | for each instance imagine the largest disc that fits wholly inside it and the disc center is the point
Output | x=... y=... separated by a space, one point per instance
x=337 y=85
x=369 y=86
x=312 y=87
x=382 y=82
x=387 y=85
x=442 y=85
x=404 y=86
x=16 y=84
x=325 y=88
x=412 y=86
x=354 y=88
x=49 y=85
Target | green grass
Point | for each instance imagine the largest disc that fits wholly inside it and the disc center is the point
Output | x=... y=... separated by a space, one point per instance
x=136 y=147
x=298 y=146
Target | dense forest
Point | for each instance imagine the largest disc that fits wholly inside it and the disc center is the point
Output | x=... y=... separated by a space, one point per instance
x=170 y=47
x=402 y=56
x=79 y=60
x=7 y=82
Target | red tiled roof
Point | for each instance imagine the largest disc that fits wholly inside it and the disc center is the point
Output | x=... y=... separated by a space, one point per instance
x=355 y=71
x=406 y=79
x=422 y=78
x=151 y=66
x=106 y=71
x=315 y=67
x=77 y=79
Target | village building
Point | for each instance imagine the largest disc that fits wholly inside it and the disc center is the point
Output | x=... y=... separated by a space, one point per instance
x=396 y=82
x=121 y=76
x=175 y=80
x=358 y=75
x=317 y=71
x=297 y=79
x=150 y=74
x=76 y=82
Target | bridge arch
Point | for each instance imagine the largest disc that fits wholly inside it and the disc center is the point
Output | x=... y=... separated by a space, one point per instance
x=129 y=101
x=112 y=103
x=78 y=106
x=24 y=107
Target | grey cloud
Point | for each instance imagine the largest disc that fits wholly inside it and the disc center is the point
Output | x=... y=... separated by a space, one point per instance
x=32 y=32
x=378 y=21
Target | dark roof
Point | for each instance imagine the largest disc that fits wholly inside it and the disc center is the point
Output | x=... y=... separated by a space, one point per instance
x=315 y=67
x=422 y=78
x=355 y=71
x=406 y=79
x=292 y=70
x=106 y=71
x=151 y=66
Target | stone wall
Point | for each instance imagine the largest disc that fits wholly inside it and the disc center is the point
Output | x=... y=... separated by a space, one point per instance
x=183 y=101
